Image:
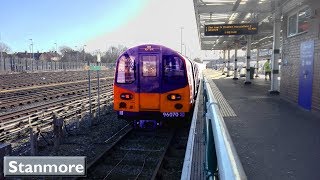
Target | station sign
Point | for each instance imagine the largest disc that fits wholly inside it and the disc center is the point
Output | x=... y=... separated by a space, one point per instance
x=231 y=29
x=94 y=68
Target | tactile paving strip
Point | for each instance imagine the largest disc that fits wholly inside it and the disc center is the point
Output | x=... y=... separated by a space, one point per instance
x=225 y=108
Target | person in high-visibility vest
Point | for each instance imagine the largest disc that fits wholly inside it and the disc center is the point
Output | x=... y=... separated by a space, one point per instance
x=267 y=69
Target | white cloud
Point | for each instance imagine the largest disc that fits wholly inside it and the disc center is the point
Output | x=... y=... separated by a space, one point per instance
x=159 y=23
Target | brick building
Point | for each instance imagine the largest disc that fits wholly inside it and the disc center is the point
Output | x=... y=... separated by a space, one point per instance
x=300 y=52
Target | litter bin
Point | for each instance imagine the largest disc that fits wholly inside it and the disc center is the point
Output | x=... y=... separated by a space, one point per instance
x=251 y=72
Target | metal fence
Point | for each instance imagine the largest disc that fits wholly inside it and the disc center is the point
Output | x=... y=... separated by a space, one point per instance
x=11 y=65
x=222 y=161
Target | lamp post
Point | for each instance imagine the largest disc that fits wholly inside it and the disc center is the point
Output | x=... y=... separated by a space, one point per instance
x=98 y=76
x=56 y=48
x=32 y=48
x=185 y=50
x=31 y=51
x=181 y=39
x=89 y=87
x=76 y=54
x=84 y=55
x=1 y=46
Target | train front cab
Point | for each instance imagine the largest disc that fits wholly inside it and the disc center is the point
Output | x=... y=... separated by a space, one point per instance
x=153 y=86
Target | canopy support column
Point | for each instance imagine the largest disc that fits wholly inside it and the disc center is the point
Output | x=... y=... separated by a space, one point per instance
x=228 y=66
x=275 y=54
x=248 y=60
x=257 y=65
x=224 y=61
x=235 y=74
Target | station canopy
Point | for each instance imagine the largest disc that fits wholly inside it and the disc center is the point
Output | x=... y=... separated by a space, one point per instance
x=216 y=16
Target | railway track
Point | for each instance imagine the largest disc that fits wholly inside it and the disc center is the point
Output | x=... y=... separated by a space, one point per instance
x=16 y=123
x=37 y=103
x=50 y=105
x=138 y=154
x=25 y=80
x=43 y=93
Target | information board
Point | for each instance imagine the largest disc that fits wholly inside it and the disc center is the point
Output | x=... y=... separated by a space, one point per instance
x=231 y=29
x=306 y=74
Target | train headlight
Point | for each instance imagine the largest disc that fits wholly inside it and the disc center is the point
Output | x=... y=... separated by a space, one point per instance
x=174 y=97
x=126 y=96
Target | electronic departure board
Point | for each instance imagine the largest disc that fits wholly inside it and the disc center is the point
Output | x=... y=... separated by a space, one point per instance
x=231 y=29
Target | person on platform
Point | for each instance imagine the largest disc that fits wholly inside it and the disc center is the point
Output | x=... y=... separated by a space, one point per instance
x=267 y=69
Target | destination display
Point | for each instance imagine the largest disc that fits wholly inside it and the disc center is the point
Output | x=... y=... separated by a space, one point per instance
x=231 y=29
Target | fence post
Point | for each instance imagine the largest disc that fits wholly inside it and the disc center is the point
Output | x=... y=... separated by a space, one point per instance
x=5 y=150
x=33 y=139
x=4 y=65
x=26 y=60
x=104 y=109
x=78 y=119
x=57 y=130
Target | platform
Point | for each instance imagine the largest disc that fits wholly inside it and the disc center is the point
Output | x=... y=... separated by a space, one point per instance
x=198 y=155
x=274 y=139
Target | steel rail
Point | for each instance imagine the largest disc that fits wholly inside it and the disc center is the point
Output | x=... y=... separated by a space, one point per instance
x=10 y=128
x=42 y=95
x=41 y=106
x=144 y=149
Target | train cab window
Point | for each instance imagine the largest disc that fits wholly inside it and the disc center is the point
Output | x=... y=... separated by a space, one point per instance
x=149 y=66
x=125 y=69
x=173 y=66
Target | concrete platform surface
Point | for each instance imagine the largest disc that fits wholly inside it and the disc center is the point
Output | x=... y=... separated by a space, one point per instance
x=274 y=139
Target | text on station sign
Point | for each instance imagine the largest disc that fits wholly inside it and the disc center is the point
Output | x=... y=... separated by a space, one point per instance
x=231 y=29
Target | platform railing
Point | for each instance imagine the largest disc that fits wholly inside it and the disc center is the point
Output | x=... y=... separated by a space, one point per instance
x=186 y=170
x=221 y=161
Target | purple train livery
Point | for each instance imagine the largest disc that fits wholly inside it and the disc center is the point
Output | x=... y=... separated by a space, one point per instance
x=154 y=83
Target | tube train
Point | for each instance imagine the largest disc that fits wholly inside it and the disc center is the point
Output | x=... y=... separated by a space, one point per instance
x=154 y=83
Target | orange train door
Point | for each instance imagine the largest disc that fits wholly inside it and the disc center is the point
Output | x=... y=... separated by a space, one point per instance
x=149 y=82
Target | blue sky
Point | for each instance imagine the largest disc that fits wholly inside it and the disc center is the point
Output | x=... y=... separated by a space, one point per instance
x=99 y=24
x=67 y=22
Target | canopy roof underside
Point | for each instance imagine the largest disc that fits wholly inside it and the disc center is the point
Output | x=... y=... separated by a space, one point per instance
x=210 y=12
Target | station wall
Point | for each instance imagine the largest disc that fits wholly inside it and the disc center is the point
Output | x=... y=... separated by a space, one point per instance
x=290 y=69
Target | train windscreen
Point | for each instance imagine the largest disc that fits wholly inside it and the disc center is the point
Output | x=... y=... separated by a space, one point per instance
x=125 y=70
x=173 y=68
x=149 y=65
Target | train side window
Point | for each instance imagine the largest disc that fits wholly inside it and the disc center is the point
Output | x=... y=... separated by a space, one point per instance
x=126 y=69
x=149 y=66
x=173 y=66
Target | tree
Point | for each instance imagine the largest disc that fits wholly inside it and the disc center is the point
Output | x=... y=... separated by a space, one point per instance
x=90 y=58
x=68 y=54
x=4 y=48
x=198 y=60
x=113 y=53
x=65 y=49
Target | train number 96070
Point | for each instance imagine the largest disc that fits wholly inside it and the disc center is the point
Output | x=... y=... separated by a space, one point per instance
x=173 y=114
